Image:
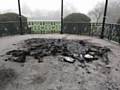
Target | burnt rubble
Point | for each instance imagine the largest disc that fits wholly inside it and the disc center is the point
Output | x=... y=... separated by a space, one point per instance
x=70 y=50
x=17 y=55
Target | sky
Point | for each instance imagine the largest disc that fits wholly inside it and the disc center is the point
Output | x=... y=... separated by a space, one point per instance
x=83 y=6
x=48 y=9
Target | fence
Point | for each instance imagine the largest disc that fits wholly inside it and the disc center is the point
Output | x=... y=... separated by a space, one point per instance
x=12 y=28
x=44 y=27
x=112 y=31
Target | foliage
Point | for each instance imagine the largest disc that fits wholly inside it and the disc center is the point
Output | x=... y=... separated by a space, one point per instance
x=9 y=24
x=44 y=27
x=76 y=17
x=70 y=26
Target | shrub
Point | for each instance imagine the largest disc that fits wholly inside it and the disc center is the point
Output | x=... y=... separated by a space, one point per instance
x=9 y=24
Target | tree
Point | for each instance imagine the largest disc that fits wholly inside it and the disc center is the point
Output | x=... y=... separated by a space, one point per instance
x=9 y=24
x=76 y=23
x=77 y=17
x=113 y=12
x=97 y=13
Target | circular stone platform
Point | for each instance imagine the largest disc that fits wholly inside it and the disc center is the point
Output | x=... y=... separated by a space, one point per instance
x=54 y=71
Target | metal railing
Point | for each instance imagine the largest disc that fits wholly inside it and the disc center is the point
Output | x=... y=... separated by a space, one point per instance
x=112 y=31
x=12 y=28
x=44 y=27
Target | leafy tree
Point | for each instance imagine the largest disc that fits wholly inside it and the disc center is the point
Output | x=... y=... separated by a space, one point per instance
x=77 y=17
x=72 y=24
x=9 y=24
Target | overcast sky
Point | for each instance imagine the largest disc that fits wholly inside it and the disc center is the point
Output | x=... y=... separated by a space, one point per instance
x=83 y=6
x=47 y=9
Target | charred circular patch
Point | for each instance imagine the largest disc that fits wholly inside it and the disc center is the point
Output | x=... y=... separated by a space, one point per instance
x=74 y=50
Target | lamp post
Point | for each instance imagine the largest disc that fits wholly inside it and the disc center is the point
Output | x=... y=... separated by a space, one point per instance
x=20 y=17
x=61 y=17
x=104 y=19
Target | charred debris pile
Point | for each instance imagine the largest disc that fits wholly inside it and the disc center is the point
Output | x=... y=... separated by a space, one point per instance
x=69 y=50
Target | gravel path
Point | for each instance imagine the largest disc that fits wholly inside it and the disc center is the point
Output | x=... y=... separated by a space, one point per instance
x=55 y=75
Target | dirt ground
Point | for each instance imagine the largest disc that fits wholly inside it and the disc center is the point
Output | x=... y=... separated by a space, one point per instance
x=52 y=74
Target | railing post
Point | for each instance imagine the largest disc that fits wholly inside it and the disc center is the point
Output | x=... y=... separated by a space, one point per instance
x=119 y=34
x=89 y=28
x=20 y=18
x=61 y=17
x=110 y=31
x=119 y=38
x=104 y=18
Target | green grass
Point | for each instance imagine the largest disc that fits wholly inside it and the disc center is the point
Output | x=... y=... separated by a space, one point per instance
x=45 y=27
